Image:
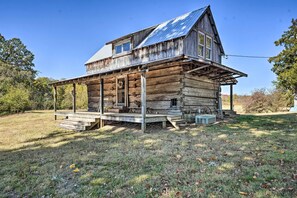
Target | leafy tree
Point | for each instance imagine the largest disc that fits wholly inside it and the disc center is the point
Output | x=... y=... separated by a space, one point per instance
x=285 y=63
x=41 y=95
x=65 y=97
x=15 y=53
x=12 y=76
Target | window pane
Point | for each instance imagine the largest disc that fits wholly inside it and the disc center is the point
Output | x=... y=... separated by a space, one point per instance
x=208 y=54
x=126 y=47
x=200 y=50
x=118 y=49
x=201 y=39
x=208 y=42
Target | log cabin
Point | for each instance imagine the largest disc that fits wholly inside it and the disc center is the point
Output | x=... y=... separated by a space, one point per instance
x=163 y=73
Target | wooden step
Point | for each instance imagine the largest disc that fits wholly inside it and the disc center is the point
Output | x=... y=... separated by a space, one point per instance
x=81 y=119
x=77 y=122
x=72 y=127
x=176 y=121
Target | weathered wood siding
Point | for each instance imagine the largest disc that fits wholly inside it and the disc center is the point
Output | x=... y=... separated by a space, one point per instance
x=191 y=41
x=199 y=93
x=144 y=55
x=163 y=84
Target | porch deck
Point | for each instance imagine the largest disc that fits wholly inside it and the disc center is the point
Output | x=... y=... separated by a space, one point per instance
x=123 y=117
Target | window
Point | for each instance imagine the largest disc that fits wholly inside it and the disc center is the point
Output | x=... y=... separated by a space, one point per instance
x=208 y=49
x=173 y=102
x=201 y=44
x=118 y=49
x=123 y=47
x=121 y=91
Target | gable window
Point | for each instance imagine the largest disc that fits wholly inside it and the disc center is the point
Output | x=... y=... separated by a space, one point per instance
x=201 y=44
x=208 y=49
x=123 y=47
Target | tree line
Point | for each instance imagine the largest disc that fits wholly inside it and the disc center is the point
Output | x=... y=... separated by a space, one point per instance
x=21 y=89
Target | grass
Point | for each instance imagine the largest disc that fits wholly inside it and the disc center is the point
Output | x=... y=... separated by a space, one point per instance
x=254 y=156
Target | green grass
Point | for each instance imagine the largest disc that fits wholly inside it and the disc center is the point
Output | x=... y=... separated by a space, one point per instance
x=253 y=156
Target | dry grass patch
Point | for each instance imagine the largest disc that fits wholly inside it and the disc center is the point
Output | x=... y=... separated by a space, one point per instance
x=253 y=156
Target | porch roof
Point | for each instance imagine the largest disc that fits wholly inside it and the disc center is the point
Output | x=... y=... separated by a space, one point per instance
x=224 y=74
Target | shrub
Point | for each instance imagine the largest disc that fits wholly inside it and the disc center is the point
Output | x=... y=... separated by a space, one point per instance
x=15 y=100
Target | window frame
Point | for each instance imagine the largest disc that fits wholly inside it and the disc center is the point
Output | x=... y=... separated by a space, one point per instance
x=121 y=44
x=199 y=44
x=126 y=89
x=206 y=48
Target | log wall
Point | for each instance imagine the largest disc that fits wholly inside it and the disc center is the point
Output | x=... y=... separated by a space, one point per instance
x=163 y=84
x=199 y=93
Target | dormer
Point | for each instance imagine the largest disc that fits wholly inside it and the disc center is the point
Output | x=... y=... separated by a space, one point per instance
x=121 y=48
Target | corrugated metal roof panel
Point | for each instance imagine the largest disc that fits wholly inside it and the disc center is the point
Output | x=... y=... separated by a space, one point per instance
x=173 y=28
x=104 y=52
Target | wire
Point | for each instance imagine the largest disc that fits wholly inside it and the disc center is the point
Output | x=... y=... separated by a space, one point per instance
x=245 y=56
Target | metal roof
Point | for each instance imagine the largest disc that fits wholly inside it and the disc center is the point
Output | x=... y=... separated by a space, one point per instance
x=174 y=28
x=104 y=52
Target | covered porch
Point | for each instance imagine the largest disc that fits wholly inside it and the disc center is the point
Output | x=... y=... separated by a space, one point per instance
x=221 y=74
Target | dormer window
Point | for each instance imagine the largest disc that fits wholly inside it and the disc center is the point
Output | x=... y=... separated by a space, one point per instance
x=122 y=47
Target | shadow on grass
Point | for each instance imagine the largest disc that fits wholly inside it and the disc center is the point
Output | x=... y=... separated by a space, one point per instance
x=119 y=160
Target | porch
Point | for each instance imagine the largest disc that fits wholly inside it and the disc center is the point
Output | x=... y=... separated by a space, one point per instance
x=89 y=120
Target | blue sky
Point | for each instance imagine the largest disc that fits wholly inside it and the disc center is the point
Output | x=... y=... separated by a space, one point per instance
x=64 y=34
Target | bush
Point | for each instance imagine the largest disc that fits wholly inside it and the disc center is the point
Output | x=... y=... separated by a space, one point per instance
x=15 y=100
x=263 y=101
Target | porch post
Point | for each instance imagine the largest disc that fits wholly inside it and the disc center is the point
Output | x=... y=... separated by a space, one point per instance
x=231 y=98
x=74 y=98
x=220 y=104
x=101 y=104
x=55 y=101
x=143 y=101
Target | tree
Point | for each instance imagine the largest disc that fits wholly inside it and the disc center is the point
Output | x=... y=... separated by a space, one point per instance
x=12 y=76
x=15 y=53
x=41 y=95
x=285 y=63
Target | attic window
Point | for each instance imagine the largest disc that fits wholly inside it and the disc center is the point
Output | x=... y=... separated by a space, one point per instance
x=123 y=47
x=201 y=44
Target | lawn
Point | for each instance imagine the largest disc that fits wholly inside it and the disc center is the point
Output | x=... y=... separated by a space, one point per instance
x=252 y=156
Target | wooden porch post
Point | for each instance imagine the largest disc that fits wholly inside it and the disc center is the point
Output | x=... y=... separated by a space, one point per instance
x=74 y=98
x=55 y=101
x=231 y=97
x=143 y=101
x=101 y=103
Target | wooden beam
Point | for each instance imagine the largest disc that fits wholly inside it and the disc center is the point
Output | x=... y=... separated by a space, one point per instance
x=231 y=97
x=74 y=97
x=198 y=68
x=143 y=101
x=101 y=105
x=55 y=101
